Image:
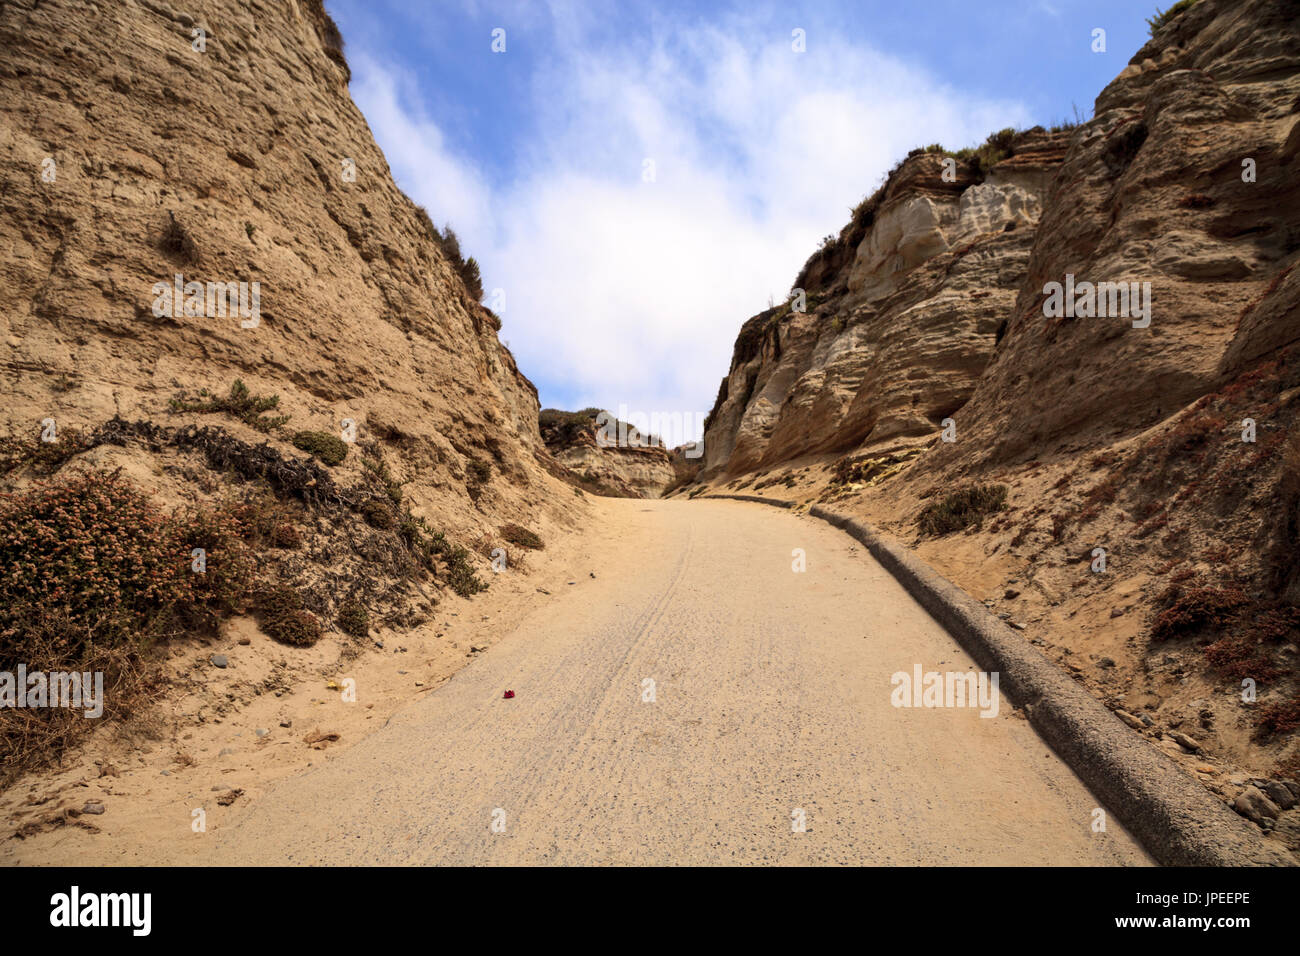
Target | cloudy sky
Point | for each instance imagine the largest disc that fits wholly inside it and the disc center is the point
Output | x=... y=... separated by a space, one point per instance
x=638 y=178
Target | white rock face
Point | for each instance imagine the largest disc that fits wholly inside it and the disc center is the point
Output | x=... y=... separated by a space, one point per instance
x=901 y=238
x=989 y=208
x=906 y=235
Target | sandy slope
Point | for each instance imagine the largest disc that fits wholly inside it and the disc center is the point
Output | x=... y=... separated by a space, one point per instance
x=772 y=694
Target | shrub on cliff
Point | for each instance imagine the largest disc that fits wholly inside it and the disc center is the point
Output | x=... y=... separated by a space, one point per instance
x=354 y=619
x=962 y=508
x=326 y=447
x=467 y=269
x=239 y=403
x=517 y=534
x=282 y=616
x=95 y=547
x=1155 y=23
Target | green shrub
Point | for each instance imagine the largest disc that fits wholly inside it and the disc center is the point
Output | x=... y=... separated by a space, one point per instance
x=331 y=449
x=1155 y=23
x=469 y=274
x=377 y=514
x=460 y=574
x=97 y=548
x=354 y=619
x=240 y=403
x=282 y=616
x=961 y=508
x=467 y=269
x=517 y=534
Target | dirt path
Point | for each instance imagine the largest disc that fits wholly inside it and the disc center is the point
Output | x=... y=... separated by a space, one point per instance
x=772 y=694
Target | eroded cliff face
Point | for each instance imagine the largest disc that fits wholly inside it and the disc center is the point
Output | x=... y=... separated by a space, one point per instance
x=1152 y=190
x=115 y=125
x=624 y=470
x=1173 y=447
x=902 y=314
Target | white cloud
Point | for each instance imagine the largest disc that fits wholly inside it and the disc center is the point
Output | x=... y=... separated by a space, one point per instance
x=623 y=291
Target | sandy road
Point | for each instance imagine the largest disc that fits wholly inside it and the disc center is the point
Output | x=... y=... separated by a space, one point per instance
x=772 y=694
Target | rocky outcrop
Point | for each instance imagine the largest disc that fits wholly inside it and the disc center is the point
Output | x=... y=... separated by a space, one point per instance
x=1152 y=190
x=902 y=313
x=637 y=468
x=140 y=143
x=931 y=300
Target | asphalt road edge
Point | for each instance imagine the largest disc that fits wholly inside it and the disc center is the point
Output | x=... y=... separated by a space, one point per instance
x=1175 y=818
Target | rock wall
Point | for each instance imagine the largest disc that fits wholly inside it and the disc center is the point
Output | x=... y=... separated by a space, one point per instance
x=902 y=314
x=632 y=471
x=115 y=127
x=1152 y=190
x=931 y=304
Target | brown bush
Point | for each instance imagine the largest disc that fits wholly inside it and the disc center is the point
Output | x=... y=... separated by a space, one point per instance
x=1188 y=610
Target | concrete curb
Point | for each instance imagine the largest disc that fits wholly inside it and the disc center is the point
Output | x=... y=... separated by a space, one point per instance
x=1176 y=819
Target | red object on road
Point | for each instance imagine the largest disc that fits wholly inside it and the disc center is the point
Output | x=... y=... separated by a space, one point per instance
x=508 y=694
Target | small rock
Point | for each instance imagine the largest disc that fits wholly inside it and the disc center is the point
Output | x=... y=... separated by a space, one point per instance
x=1185 y=741
x=1117 y=612
x=219 y=660
x=165 y=773
x=1106 y=662
x=1010 y=594
x=1280 y=794
x=1252 y=804
x=229 y=797
x=245 y=641
x=1293 y=787
x=1017 y=625
x=1146 y=720
x=93 y=806
x=1129 y=719
x=225 y=751
x=219 y=787
x=261 y=731
x=286 y=723
x=379 y=644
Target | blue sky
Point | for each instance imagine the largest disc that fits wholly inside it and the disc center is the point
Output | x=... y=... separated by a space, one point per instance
x=638 y=178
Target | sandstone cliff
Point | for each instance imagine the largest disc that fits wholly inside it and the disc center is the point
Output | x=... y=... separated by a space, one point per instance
x=298 y=446
x=1101 y=432
x=636 y=469
x=902 y=313
x=235 y=164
